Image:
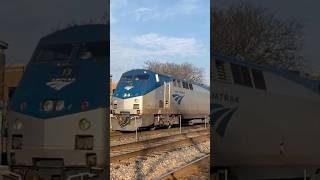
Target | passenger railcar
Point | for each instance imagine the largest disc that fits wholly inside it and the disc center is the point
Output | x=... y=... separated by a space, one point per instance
x=266 y=121
x=144 y=98
x=57 y=117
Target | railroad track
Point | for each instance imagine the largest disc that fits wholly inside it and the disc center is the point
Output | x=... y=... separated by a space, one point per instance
x=118 y=138
x=196 y=169
x=150 y=147
x=115 y=133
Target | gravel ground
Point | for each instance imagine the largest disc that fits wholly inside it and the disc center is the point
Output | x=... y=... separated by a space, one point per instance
x=152 y=167
x=144 y=135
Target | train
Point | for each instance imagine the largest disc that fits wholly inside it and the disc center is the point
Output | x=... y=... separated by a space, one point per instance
x=146 y=99
x=57 y=116
x=265 y=121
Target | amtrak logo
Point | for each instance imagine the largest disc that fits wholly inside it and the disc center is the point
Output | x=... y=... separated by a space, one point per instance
x=222 y=117
x=128 y=88
x=59 y=83
x=177 y=97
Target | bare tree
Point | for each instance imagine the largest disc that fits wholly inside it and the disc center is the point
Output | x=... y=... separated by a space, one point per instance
x=104 y=19
x=253 y=33
x=184 y=71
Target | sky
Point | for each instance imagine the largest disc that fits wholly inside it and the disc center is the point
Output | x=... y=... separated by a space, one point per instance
x=306 y=11
x=23 y=23
x=163 y=30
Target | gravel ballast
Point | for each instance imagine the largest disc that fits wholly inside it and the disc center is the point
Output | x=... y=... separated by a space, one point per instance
x=153 y=166
x=125 y=138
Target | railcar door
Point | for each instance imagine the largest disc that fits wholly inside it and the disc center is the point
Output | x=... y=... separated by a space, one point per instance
x=166 y=97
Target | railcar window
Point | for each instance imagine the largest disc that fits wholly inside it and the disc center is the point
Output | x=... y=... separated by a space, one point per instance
x=190 y=86
x=241 y=75
x=246 y=76
x=141 y=77
x=185 y=85
x=236 y=72
x=58 y=52
x=93 y=50
x=179 y=83
x=175 y=83
x=258 y=79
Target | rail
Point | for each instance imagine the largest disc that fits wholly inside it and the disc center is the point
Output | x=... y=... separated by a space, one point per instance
x=171 y=173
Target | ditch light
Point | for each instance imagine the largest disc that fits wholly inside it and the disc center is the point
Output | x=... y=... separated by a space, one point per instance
x=84 y=142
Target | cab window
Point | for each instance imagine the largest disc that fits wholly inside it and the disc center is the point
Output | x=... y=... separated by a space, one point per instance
x=96 y=50
x=57 y=52
x=141 y=77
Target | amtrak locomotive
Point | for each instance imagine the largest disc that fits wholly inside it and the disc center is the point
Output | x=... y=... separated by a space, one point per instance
x=266 y=121
x=57 y=117
x=144 y=98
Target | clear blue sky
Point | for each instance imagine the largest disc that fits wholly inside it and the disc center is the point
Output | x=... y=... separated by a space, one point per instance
x=163 y=30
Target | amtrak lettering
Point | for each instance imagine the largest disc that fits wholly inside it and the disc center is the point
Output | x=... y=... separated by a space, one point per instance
x=226 y=98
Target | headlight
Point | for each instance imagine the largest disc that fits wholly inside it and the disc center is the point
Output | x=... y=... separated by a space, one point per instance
x=84 y=142
x=60 y=105
x=135 y=106
x=84 y=124
x=17 y=141
x=115 y=101
x=48 y=105
x=91 y=159
x=136 y=100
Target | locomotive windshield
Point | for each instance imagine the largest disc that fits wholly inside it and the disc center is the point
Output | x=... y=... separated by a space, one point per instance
x=62 y=52
x=96 y=50
x=127 y=78
x=141 y=77
x=136 y=77
x=57 y=52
